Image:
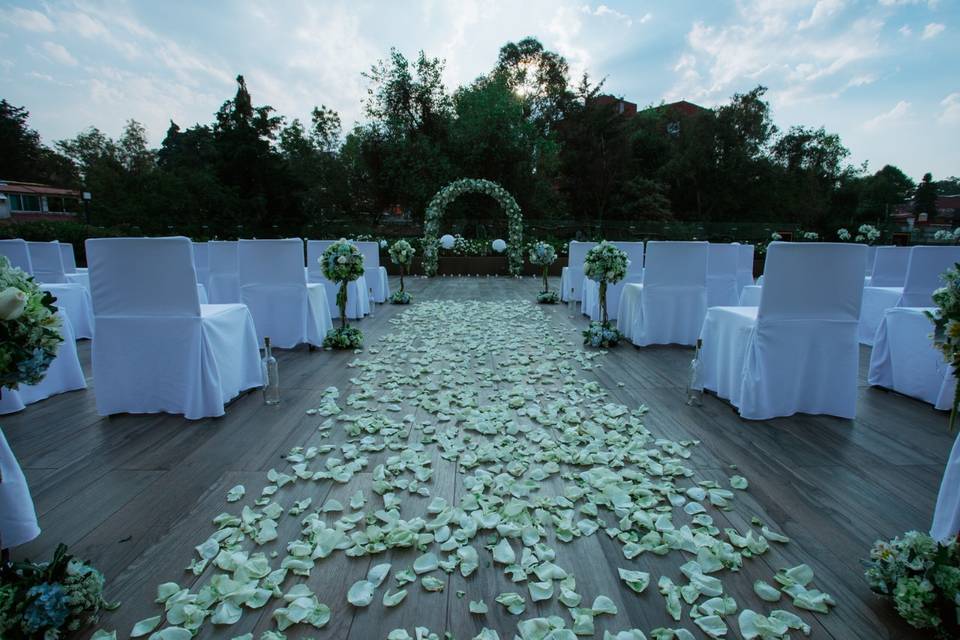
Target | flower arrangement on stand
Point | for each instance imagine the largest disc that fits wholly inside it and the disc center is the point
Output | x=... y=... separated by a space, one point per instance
x=342 y=262
x=29 y=328
x=946 y=322
x=45 y=601
x=922 y=577
x=604 y=264
x=843 y=235
x=544 y=255
x=945 y=235
x=401 y=254
x=867 y=233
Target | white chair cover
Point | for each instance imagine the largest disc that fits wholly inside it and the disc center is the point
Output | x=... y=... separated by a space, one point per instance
x=375 y=274
x=871 y=258
x=157 y=349
x=905 y=360
x=64 y=374
x=358 y=299
x=571 y=276
x=47 y=262
x=223 y=283
x=722 y=264
x=797 y=351
x=750 y=296
x=590 y=289
x=668 y=307
x=69 y=259
x=924 y=267
x=72 y=299
x=284 y=306
x=890 y=267
x=201 y=262
x=18 y=519
x=946 y=517
x=744 y=267
x=924 y=271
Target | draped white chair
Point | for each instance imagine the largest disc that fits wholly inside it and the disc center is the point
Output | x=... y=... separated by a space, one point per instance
x=72 y=299
x=946 y=516
x=64 y=374
x=358 y=299
x=722 y=263
x=73 y=274
x=871 y=258
x=201 y=262
x=744 y=267
x=922 y=277
x=796 y=352
x=285 y=307
x=223 y=280
x=590 y=289
x=669 y=305
x=904 y=358
x=571 y=276
x=157 y=348
x=890 y=266
x=375 y=275
x=18 y=518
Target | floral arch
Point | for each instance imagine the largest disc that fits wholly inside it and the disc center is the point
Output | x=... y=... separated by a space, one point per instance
x=450 y=193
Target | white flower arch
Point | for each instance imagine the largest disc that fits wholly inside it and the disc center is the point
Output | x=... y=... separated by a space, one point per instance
x=450 y=193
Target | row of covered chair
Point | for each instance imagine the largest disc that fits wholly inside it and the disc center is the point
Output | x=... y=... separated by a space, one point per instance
x=159 y=345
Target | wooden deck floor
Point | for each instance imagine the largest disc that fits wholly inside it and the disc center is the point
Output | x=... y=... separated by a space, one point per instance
x=134 y=494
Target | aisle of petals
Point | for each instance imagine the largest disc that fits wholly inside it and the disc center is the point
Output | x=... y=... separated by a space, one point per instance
x=543 y=458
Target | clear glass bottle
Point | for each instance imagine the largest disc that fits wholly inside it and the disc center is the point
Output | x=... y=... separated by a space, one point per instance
x=271 y=375
x=694 y=391
x=372 y=301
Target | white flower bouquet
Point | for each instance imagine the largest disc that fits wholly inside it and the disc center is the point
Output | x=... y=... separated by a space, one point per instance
x=544 y=255
x=867 y=233
x=29 y=328
x=843 y=234
x=923 y=579
x=401 y=254
x=342 y=262
x=946 y=322
x=604 y=264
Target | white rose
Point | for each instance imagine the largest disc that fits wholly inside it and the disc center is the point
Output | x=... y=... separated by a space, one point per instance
x=12 y=303
x=342 y=260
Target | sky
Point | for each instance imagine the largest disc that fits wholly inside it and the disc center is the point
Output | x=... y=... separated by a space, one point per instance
x=884 y=74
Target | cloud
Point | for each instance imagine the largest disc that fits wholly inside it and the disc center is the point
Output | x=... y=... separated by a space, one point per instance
x=932 y=30
x=767 y=42
x=822 y=11
x=894 y=115
x=58 y=53
x=603 y=10
x=82 y=23
x=905 y=31
x=647 y=17
x=29 y=20
x=951 y=109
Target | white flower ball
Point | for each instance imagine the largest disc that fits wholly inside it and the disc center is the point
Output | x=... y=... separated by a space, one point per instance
x=446 y=241
x=499 y=245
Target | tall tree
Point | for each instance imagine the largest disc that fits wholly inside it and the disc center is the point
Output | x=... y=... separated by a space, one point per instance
x=925 y=198
x=24 y=157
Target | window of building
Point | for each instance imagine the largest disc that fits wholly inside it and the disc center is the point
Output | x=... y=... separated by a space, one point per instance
x=30 y=203
x=15 y=203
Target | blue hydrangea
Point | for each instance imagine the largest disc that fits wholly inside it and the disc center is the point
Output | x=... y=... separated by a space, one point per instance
x=47 y=610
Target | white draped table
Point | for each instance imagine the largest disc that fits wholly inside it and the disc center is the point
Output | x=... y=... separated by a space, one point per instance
x=18 y=519
x=946 y=518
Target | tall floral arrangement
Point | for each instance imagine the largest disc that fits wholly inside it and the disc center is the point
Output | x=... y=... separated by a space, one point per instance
x=604 y=264
x=46 y=601
x=945 y=235
x=867 y=233
x=544 y=255
x=342 y=262
x=946 y=322
x=401 y=254
x=451 y=192
x=29 y=328
x=844 y=235
x=923 y=579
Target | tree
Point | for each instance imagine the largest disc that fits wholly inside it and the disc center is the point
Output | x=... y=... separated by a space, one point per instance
x=881 y=192
x=925 y=198
x=538 y=76
x=24 y=157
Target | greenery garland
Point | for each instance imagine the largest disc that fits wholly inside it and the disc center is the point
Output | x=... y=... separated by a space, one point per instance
x=450 y=193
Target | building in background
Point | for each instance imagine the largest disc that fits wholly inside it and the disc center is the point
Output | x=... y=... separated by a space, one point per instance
x=31 y=201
